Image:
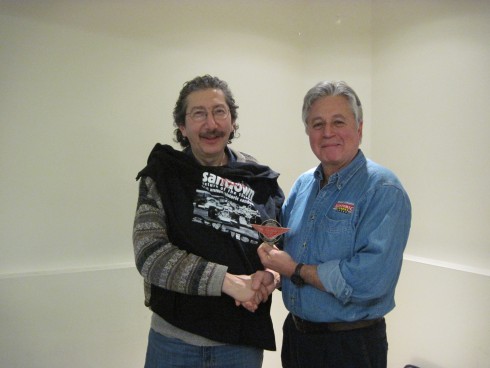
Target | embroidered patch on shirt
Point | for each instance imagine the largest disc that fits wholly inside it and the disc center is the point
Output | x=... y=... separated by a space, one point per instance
x=344 y=207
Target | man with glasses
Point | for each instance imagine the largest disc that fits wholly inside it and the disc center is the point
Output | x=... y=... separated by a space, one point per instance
x=349 y=221
x=194 y=243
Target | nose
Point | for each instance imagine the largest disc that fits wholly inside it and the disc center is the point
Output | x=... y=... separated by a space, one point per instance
x=328 y=130
x=210 y=120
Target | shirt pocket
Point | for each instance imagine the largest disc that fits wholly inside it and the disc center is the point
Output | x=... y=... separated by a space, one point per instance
x=334 y=238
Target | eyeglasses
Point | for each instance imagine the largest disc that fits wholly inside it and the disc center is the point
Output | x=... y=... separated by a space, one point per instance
x=200 y=114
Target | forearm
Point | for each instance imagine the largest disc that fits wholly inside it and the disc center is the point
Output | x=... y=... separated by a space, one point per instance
x=309 y=274
x=179 y=271
x=239 y=287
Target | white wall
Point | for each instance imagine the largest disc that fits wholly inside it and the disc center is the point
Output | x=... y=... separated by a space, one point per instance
x=431 y=82
x=441 y=319
x=88 y=88
x=91 y=318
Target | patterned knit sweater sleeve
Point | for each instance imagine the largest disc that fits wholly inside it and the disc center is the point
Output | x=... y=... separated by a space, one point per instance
x=162 y=263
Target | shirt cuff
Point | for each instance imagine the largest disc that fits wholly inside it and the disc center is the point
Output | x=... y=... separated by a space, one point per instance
x=333 y=281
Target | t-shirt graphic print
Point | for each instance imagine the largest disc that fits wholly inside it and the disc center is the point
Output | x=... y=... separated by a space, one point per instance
x=226 y=206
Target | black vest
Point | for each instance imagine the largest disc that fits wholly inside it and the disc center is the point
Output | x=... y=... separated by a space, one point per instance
x=209 y=213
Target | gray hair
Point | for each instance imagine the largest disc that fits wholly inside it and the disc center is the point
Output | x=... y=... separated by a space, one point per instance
x=331 y=88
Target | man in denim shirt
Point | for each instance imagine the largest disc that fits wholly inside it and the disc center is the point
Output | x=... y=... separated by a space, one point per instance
x=349 y=221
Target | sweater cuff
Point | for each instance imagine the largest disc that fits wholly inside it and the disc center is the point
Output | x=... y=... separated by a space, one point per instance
x=216 y=282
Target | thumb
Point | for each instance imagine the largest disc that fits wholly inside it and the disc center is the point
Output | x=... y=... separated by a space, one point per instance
x=257 y=279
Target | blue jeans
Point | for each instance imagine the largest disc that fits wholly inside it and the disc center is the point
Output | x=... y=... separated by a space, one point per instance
x=165 y=352
x=361 y=348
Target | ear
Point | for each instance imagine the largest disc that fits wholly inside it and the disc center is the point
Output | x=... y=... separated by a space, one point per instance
x=182 y=130
x=359 y=130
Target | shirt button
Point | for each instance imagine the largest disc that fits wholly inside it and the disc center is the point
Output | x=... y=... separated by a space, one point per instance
x=304 y=245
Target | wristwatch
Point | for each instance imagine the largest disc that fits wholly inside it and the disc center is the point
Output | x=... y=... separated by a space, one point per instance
x=296 y=278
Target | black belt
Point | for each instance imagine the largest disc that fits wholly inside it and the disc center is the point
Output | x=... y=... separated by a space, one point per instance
x=319 y=327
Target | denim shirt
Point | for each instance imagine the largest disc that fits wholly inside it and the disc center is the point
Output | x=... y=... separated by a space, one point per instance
x=355 y=229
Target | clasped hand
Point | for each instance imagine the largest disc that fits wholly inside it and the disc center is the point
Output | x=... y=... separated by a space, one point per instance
x=275 y=259
x=250 y=290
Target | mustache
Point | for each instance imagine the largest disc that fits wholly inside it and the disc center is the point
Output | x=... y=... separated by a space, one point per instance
x=212 y=134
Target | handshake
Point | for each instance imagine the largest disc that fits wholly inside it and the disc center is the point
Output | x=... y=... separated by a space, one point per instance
x=251 y=290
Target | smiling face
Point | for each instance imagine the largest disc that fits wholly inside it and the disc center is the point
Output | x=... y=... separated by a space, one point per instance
x=333 y=131
x=208 y=137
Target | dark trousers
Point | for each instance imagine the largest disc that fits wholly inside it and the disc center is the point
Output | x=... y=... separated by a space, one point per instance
x=361 y=348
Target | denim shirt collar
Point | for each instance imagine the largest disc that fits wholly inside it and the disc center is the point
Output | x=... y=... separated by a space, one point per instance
x=341 y=177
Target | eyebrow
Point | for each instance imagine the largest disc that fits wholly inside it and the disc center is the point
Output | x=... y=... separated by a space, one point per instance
x=316 y=118
x=204 y=108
